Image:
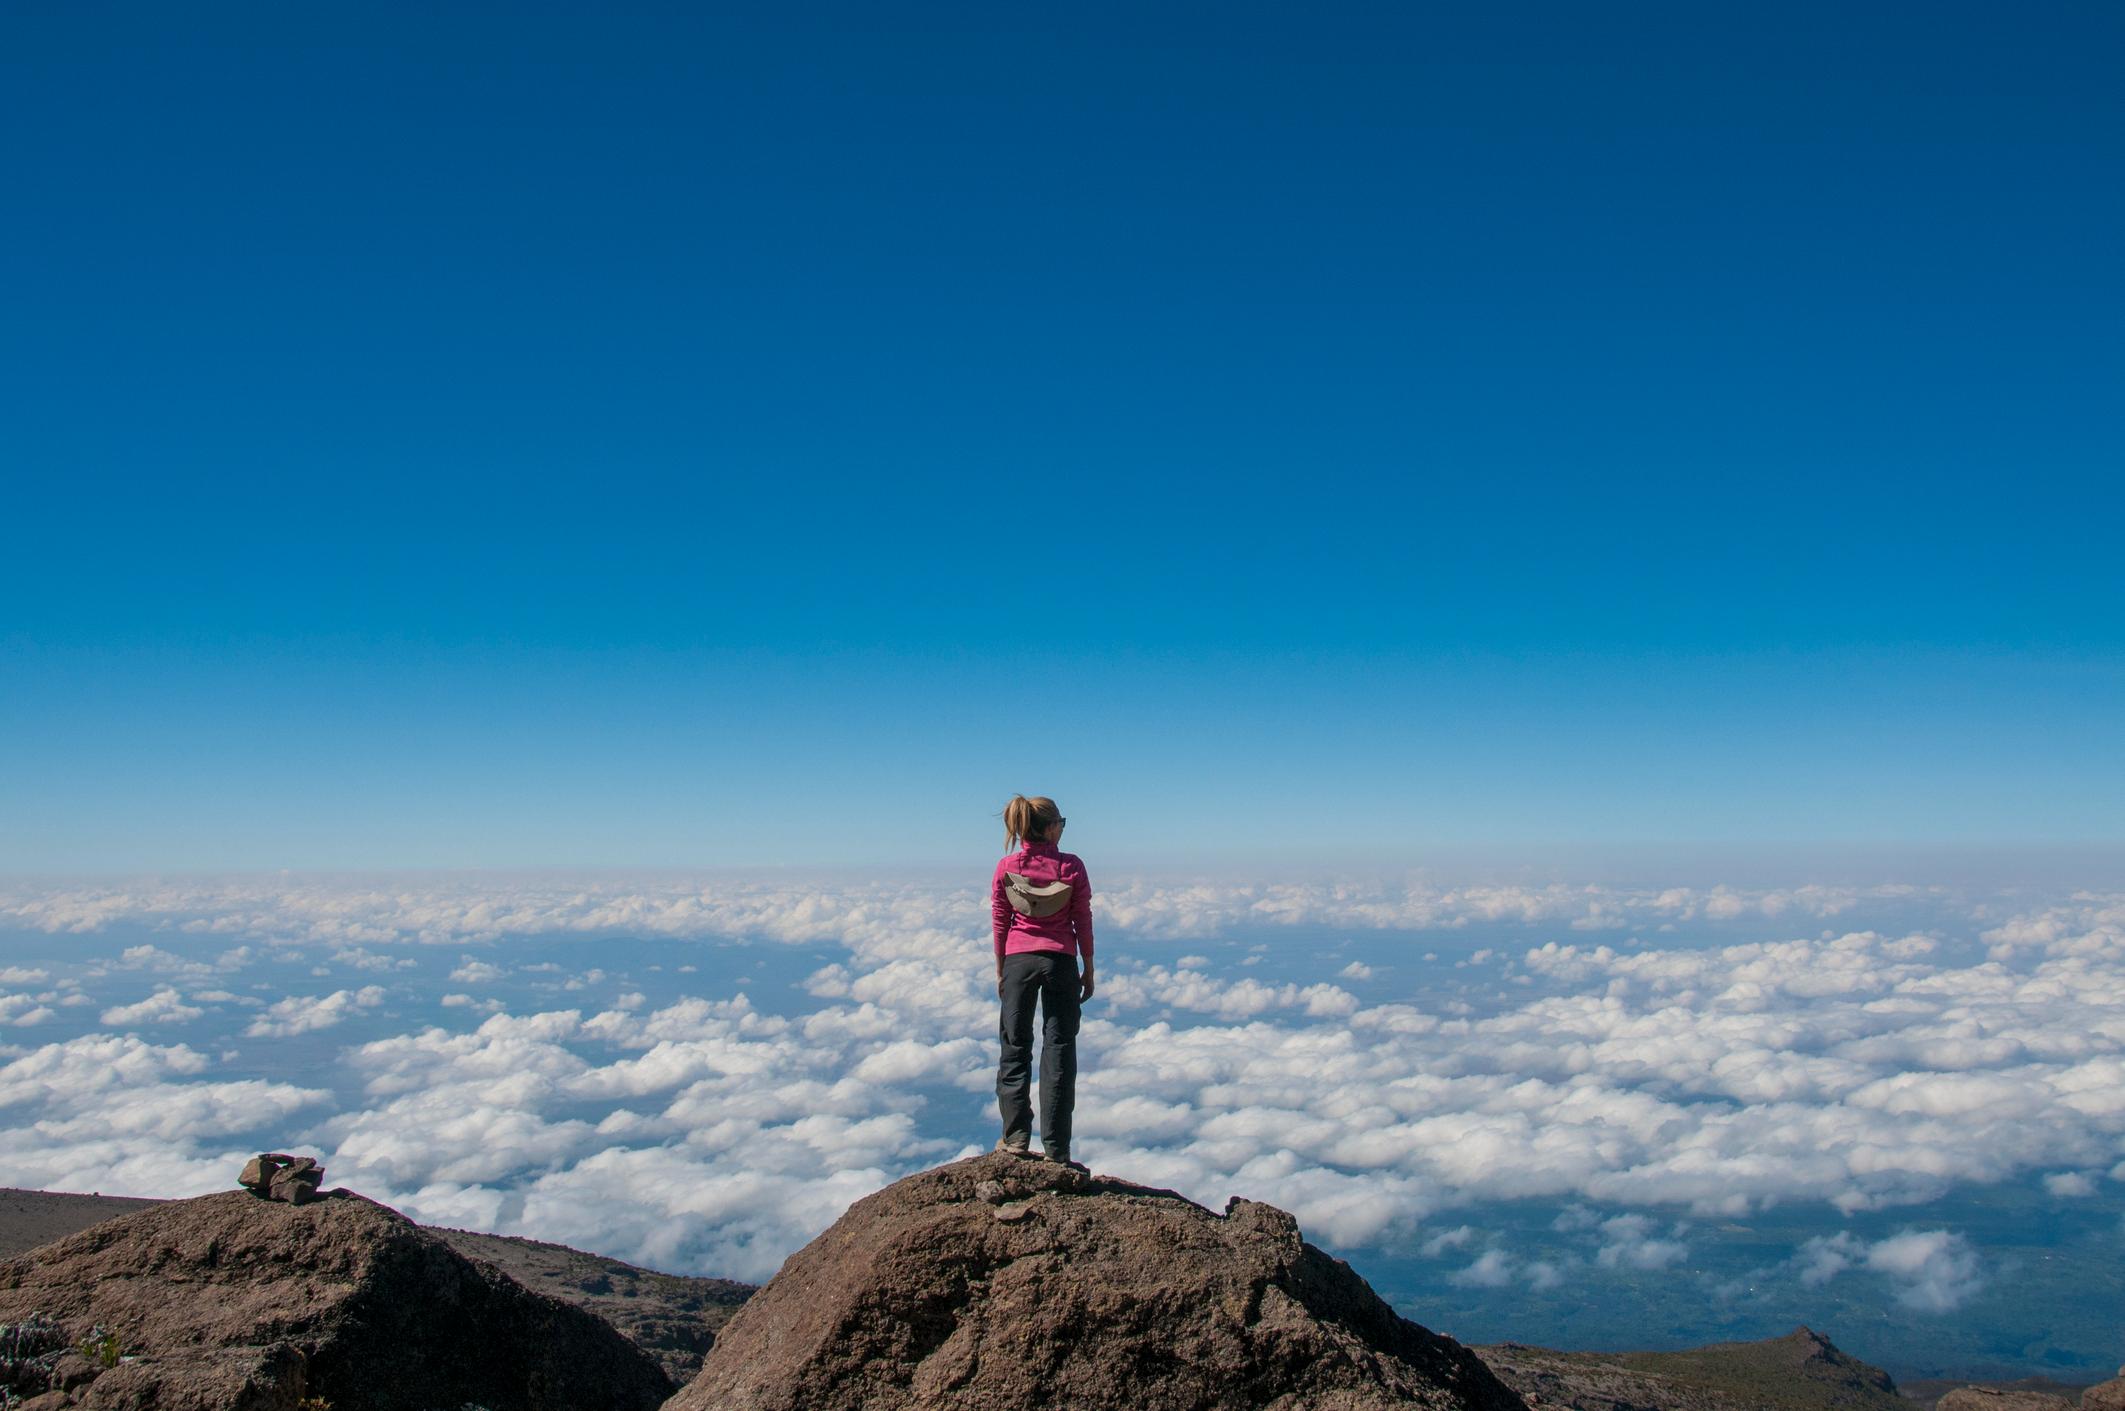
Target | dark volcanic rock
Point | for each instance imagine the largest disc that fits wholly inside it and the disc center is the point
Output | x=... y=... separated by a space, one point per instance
x=674 y=1317
x=231 y=1303
x=1802 y=1371
x=1102 y=1295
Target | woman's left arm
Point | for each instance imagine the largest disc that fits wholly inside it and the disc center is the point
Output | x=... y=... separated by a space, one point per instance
x=1081 y=924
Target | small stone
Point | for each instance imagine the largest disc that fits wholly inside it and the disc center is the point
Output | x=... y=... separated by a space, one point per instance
x=991 y=1191
x=279 y=1176
x=127 y=1387
x=73 y=1370
x=1012 y=1214
x=45 y=1401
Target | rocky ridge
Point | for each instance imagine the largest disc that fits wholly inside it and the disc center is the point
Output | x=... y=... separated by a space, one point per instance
x=673 y=1318
x=1802 y=1371
x=32 y=1218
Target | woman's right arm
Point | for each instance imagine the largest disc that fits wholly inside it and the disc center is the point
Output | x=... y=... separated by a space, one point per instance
x=999 y=921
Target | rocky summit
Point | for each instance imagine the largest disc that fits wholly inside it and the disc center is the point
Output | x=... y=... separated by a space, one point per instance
x=1002 y=1282
x=236 y=1303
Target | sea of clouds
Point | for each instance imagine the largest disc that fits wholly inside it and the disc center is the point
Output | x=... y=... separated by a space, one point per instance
x=700 y=1075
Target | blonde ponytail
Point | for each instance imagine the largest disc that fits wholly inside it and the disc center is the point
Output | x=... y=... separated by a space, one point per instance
x=1025 y=820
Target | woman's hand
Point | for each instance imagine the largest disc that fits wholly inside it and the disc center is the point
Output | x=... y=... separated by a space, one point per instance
x=999 y=979
x=1084 y=985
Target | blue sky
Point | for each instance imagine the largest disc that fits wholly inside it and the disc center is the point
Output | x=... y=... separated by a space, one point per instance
x=1562 y=561
x=680 y=437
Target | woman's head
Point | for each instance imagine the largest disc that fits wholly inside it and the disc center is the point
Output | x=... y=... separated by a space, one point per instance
x=1034 y=820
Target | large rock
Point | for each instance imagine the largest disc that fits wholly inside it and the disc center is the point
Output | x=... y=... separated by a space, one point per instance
x=1056 y=1288
x=672 y=1317
x=231 y=1303
x=1978 y=1398
x=2106 y=1396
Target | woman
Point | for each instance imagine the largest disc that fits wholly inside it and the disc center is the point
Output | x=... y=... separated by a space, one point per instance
x=1040 y=903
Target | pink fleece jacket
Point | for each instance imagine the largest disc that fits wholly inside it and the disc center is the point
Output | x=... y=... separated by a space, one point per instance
x=1067 y=930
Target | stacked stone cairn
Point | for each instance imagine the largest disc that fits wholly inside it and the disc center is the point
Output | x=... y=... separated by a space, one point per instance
x=275 y=1175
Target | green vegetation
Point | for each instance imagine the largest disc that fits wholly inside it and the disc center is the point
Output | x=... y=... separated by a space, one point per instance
x=30 y=1351
x=100 y=1345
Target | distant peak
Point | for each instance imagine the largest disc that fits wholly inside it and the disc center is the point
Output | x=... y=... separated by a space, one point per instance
x=1815 y=1344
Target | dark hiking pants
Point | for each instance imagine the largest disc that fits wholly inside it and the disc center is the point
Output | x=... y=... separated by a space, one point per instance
x=1050 y=978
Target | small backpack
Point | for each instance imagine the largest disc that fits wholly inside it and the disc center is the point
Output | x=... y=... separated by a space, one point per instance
x=1031 y=898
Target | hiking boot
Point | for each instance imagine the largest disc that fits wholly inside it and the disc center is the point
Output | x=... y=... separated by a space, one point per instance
x=1015 y=1144
x=1060 y=1155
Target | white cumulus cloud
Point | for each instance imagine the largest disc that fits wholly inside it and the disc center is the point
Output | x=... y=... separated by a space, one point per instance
x=165 y=1006
x=1928 y=1271
x=299 y=1014
x=1934 y=1271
